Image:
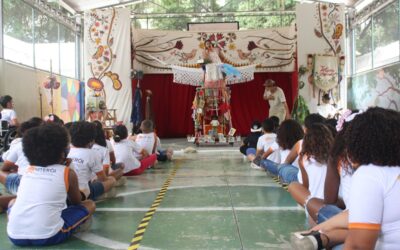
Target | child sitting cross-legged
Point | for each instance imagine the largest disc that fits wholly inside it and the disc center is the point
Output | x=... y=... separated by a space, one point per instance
x=264 y=142
x=124 y=150
x=289 y=132
x=86 y=162
x=40 y=216
x=313 y=164
x=100 y=147
x=149 y=141
x=250 y=142
x=15 y=162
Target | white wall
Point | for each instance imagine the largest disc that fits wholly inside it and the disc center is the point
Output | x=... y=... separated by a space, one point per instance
x=307 y=20
x=22 y=84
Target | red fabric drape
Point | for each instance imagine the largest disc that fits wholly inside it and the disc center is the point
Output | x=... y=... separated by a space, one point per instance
x=172 y=102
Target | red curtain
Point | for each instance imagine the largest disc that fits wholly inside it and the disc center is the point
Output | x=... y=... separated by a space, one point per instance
x=172 y=102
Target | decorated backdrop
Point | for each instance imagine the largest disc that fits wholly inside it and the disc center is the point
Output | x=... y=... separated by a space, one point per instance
x=107 y=60
x=271 y=50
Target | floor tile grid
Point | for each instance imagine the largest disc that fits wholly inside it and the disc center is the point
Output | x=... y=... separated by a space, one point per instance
x=233 y=208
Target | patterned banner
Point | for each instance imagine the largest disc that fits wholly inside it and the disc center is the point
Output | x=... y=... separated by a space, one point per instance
x=107 y=57
x=271 y=50
x=326 y=75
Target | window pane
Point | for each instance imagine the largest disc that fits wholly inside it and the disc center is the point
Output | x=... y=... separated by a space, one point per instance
x=363 y=46
x=46 y=43
x=386 y=35
x=67 y=51
x=18 y=34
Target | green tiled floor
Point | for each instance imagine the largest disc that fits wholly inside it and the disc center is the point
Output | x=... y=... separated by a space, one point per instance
x=215 y=201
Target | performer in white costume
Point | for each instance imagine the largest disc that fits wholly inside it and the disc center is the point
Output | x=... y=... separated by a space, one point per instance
x=213 y=76
x=277 y=101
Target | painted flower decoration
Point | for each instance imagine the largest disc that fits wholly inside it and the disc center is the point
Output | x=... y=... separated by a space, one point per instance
x=202 y=36
x=201 y=45
x=232 y=46
x=51 y=83
x=231 y=36
x=212 y=38
x=178 y=45
x=95 y=84
x=252 y=45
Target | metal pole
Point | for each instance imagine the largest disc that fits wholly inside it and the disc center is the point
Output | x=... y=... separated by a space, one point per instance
x=1 y=30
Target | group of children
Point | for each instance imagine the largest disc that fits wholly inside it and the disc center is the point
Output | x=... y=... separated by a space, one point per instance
x=55 y=172
x=345 y=173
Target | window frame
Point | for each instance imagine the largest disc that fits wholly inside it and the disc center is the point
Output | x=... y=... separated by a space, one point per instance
x=77 y=74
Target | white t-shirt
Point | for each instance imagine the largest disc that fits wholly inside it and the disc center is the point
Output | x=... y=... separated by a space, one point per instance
x=265 y=141
x=284 y=153
x=279 y=97
x=41 y=197
x=276 y=155
x=345 y=183
x=13 y=145
x=316 y=173
x=124 y=152
x=8 y=115
x=145 y=141
x=86 y=163
x=110 y=146
x=15 y=154
x=375 y=203
x=103 y=154
x=326 y=110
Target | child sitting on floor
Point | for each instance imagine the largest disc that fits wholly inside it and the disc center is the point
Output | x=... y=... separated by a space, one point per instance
x=263 y=143
x=289 y=169
x=372 y=220
x=313 y=164
x=289 y=133
x=124 y=150
x=86 y=162
x=15 y=161
x=149 y=141
x=39 y=216
x=100 y=147
x=250 y=143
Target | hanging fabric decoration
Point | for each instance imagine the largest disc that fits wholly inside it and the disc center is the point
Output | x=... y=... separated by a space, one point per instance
x=269 y=50
x=326 y=75
x=107 y=51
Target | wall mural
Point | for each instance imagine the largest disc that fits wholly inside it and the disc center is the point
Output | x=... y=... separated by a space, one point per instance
x=271 y=50
x=63 y=100
x=320 y=28
x=329 y=26
x=328 y=68
x=380 y=87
